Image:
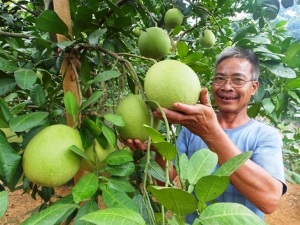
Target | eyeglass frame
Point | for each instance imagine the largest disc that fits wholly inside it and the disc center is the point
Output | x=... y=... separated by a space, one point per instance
x=231 y=83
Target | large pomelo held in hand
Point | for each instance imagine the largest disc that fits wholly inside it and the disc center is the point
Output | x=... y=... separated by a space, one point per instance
x=47 y=160
x=170 y=81
x=154 y=43
x=135 y=114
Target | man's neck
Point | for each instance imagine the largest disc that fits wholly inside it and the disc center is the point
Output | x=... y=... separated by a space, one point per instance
x=230 y=121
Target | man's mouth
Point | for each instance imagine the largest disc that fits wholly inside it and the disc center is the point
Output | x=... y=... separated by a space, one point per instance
x=228 y=98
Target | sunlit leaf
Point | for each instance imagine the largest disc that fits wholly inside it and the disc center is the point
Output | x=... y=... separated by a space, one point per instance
x=4 y=202
x=233 y=164
x=119 y=157
x=50 y=215
x=49 y=21
x=28 y=121
x=176 y=200
x=112 y=216
x=25 y=78
x=71 y=104
x=201 y=163
x=118 y=199
x=92 y=99
x=229 y=213
x=210 y=187
x=85 y=188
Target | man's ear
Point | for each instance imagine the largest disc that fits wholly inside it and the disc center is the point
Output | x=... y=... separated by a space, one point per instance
x=255 y=85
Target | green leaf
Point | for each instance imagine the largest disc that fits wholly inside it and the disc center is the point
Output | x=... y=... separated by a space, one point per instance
x=96 y=36
x=50 y=215
x=25 y=78
x=182 y=49
x=201 y=163
x=92 y=126
x=229 y=213
x=4 y=112
x=10 y=162
x=156 y=171
x=49 y=21
x=182 y=167
x=37 y=95
x=176 y=200
x=268 y=105
x=85 y=188
x=154 y=134
x=93 y=98
x=7 y=66
x=166 y=149
x=4 y=202
x=109 y=134
x=120 y=183
x=114 y=119
x=124 y=169
x=79 y=152
x=71 y=104
x=118 y=157
x=106 y=75
x=118 y=199
x=28 y=121
x=88 y=207
x=116 y=9
x=210 y=187
x=6 y=86
x=279 y=69
x=114 y=216
x=296 y=177
x=233 y=164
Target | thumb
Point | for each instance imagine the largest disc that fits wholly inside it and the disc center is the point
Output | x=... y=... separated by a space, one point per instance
x=204 y=97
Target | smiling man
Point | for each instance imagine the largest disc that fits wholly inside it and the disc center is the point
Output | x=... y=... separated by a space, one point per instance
x=259 y=183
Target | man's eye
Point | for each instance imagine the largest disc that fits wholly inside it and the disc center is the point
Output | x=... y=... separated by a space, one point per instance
x=238 y=80
x=219 y=78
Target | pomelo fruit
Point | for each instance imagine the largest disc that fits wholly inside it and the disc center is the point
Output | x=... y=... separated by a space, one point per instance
x=170 y=81
x=101 y=153
x=207 y=39
x=47 y=160
x=154 y=43
x=135 y=114
x=173 y=18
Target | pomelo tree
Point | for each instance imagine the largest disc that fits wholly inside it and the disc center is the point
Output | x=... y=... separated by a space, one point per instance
x=71 y=62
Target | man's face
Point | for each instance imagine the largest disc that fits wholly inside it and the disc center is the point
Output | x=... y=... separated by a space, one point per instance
x=231 y=99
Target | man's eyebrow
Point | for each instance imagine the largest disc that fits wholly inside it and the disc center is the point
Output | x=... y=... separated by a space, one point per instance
x=232 y=75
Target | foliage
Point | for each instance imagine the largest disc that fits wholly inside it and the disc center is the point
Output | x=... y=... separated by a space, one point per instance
x=102 y=52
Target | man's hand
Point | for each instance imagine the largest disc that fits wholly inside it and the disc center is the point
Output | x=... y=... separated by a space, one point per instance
x=199 y=118
x=134 y=144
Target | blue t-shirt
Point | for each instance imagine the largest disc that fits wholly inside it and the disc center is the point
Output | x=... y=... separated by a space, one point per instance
x=266 y=144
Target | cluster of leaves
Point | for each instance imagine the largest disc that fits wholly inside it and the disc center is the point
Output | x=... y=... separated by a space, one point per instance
x=103 y=50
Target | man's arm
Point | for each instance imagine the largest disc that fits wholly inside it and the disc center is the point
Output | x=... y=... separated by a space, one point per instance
x=256 y=184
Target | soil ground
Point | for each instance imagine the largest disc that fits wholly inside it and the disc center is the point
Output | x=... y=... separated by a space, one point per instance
x=22 y=205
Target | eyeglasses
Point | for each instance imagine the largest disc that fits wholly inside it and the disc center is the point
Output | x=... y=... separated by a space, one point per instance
x=236 y=82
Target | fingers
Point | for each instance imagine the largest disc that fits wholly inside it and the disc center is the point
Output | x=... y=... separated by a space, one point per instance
x=204 y=97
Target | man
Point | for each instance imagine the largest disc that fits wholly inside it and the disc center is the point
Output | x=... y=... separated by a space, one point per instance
x=259 y=183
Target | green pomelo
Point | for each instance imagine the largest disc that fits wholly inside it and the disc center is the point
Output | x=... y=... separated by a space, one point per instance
x=207 y=39
x=135 y=114
x=96 y=150
x=170 y=81
x=154 y=43
x=47 y=159
x=173 y=18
